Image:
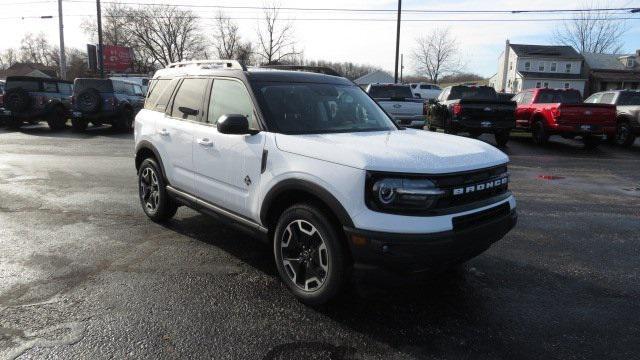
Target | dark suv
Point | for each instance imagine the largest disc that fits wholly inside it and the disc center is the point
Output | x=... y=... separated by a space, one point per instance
x=106 y=101
x=31 y=99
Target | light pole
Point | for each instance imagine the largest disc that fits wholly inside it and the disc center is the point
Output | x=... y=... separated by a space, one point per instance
x=100 y=58
x=63 y=58
x=398 y=40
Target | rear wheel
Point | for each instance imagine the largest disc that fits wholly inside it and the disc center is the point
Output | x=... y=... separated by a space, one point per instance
x=153 y=193
x=591 y=142
x=309 y=254
x=125 y=122
x=57 y=119
x=624 y=135
x=14 y=123
x=502 y=138
x=79 y=124
x=540 y=135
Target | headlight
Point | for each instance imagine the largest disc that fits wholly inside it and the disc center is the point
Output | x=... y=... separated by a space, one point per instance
x=402 y=194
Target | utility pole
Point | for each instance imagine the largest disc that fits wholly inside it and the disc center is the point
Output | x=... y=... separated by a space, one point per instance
x=401 y=66
x=63 y=59
x=100 y=57
x=398 y=40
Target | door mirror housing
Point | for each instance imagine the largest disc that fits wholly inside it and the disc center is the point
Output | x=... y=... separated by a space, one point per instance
x=234 y=124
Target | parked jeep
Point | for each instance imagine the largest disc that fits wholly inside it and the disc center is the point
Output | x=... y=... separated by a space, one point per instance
x=105 y=101
x=31 y=99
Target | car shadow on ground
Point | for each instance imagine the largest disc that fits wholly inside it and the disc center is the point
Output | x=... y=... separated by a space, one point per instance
x=42 y=129
x=493 y=307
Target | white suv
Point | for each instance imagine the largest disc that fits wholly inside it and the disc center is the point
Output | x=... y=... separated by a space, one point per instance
x=312 y=164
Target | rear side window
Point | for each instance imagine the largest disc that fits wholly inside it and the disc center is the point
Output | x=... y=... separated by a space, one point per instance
x=425 y=87
x=27 y=85
x=187 y=104
x=476 y=93
x=48 y=86
x=607 y=98
x=558 y=96
x=629 y=98
x=390 y=92
x=65 y=88
x=103 y=86
x=594 y=99
x=230 y=97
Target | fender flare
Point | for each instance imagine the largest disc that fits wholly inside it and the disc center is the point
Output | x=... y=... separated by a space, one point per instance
x=144 y=144
x=306 y=186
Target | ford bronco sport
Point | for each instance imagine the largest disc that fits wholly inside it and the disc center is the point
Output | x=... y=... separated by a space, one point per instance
x=105 y=101
x=310 y=163
x=31 y=99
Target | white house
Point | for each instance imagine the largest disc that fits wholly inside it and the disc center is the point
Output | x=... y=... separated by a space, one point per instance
x=536 y=66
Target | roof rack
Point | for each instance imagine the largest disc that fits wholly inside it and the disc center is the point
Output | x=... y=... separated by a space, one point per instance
x=209 y=64
x=315 y=69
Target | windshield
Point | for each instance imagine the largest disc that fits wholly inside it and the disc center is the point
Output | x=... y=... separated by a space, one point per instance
x=310 y=108
x=629 y=98
x=475 y=93
x=390 y=92
x=558 y=96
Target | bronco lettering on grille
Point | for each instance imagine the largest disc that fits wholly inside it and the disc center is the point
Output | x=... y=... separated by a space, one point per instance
x=480 y=186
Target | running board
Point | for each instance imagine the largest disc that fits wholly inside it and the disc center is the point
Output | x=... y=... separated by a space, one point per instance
x=216 y=209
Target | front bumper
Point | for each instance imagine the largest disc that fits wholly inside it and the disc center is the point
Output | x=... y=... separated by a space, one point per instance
x=417 y=252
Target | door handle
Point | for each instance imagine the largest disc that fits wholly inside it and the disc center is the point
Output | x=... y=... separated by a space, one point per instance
x=205 y=142
x=163 y=132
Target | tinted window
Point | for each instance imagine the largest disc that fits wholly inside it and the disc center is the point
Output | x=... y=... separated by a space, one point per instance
x=558 y=96
x=48 y=86
x=230 y=97
x=629 y=98
x=28 y=85
x=137 y=90
x=189 y=96
x=435 y=87
x=65 y=88
x=413 y=86
x=103 y=86
x=477 y=93
x=425 y=87
x=390 y=92
x=299 y=108
x=607 y=98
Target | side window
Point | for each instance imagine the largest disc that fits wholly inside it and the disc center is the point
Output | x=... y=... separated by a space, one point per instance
x=517 y=98
x=425 y=87
x=49 y=87
x=593 y=99
x=230 y=97
x=65 y=88
x=158 y=88
x=527 y=97
x=187 y=104
x=137 y=90
x=607 y=98
x=413 y=86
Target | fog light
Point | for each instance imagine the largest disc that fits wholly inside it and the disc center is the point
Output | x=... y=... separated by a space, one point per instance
x=358 y=240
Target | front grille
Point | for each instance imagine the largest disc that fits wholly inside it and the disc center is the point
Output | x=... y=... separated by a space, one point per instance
x=451 y=183
x=471 y=220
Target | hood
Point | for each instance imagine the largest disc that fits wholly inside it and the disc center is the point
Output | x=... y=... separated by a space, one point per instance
x=409 y=151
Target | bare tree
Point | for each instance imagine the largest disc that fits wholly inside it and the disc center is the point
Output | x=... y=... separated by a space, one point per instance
x=8 y=58
x=595 y=31
x=245 y=53
x=437 y=54
x=275 y=37
x=115 y=29
x=36 y=49
x=226 y=38
x=165 y=34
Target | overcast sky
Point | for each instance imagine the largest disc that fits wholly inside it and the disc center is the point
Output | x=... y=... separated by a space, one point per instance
x=357 y=41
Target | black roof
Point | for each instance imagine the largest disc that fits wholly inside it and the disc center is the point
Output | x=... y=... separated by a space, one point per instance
x=35 y=78
x=270 y=75
x=557 y=51
x=550 y=75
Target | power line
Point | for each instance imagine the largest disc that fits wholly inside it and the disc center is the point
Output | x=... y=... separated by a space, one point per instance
x=239 y=7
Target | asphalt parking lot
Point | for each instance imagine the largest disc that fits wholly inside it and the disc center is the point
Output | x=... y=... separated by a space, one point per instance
x=84 y=274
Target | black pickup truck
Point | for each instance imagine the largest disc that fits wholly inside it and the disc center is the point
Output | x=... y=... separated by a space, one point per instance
x=472 y=109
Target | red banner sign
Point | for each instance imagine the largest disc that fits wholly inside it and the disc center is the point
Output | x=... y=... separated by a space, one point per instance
x=117 y=59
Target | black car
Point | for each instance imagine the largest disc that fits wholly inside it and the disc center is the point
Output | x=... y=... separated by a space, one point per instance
x=31 y=99
x=106 y=101
x=472 y=109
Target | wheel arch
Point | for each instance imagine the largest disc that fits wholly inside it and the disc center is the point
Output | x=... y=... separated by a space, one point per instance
x=145 y=150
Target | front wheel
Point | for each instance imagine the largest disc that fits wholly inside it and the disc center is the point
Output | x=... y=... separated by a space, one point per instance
x=57 y=120
x=153 y=193
x=624 y=135
x=502 y=138
x=79 y=124
x=591 y=142
x=539 y=133
x=125 y=122
x=309 y=254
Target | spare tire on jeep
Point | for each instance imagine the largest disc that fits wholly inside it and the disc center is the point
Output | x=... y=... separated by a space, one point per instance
x=17 y=100
x=89 y=101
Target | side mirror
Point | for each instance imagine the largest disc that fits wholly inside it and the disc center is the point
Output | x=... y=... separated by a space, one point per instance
x=433 y=101
x=418 y=96
x=188 y=111
x=234 y=124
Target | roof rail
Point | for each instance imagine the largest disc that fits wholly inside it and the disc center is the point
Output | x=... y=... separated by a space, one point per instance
x=316 y=69
x=209 y=64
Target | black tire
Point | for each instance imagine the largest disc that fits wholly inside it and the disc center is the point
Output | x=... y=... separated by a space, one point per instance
x=96 y=123
x=125 y=122
x=152 y=192
x=475 y=134
x=433 y=128
x=591 y=142
x=624 y=135
x=14 y=123
x=539 y=133
x=89 y=101
x=448 y=127
x=502 y=138
x=57 y=118
x=322 y=252
x=17 y=100
x=79 y=124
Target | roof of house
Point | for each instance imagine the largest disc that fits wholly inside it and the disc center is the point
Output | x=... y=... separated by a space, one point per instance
x=550 y=75
x=606 y=61
x=556 y=51
x=28 y=69
x=375 y=77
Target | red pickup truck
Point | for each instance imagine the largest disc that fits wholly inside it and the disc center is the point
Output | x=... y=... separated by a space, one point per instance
x=546 y=112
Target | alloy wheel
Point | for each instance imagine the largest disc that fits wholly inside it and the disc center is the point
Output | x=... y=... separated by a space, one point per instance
x=304 y=254
x=149 y=189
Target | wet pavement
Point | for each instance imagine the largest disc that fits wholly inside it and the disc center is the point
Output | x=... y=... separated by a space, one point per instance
x=84 y=274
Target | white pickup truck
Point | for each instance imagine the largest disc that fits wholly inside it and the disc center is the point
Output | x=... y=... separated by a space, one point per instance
x=398 y=101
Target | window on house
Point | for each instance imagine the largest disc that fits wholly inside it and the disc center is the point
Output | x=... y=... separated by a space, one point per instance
x=567 y=86
x=527 y=66
x=567 y=68
x=554 y=67
x=546 y=84
x=538 y=85
x=510 y=65
x=541 y=66
x=630 y=62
